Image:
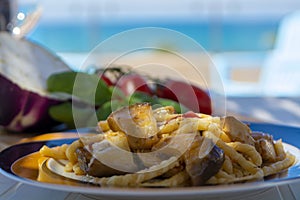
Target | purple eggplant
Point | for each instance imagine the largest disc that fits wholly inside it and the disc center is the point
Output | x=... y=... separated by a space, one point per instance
x=24 y=69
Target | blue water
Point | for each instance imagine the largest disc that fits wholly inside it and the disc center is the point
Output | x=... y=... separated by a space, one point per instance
x=225 y=36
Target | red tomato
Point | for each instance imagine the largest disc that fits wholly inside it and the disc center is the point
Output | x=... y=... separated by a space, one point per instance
x=106 y=80
x=165 y=92
x=133 y=82
x=191 y=96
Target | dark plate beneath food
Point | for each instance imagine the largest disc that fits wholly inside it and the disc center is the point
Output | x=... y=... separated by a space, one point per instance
x=14 y=163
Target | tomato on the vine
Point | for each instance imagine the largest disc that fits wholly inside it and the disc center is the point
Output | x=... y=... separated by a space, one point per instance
x=130 y=83
x=106 y=80
x=189 y=95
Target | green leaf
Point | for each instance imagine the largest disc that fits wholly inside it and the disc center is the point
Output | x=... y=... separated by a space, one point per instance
x=64 y=113
x=88 y=87
x=179 y=108
x=116 y=93
x=106 y=109
x=61 y=82
x=139 y=97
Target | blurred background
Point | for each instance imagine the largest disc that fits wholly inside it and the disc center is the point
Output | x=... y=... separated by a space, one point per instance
x=242 y=36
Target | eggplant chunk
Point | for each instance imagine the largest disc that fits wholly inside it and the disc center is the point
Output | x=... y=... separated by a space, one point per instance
x=108 y=155
x=266 y=150
x=94 y=167
x=138 y=123
x=203 y=160
x=163 y=113
x=264 y=144
x=167 y=147
x=237 y=130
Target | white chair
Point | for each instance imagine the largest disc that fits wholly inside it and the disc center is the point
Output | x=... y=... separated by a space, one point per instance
x=280 y=69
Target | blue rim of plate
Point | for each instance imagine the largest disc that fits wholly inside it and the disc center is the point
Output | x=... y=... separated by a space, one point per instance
x=289 y=135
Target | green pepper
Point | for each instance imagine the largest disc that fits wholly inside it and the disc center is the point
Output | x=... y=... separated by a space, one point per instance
x=108 y=107
x=87 y=87
x=161 y=102
x=65 y=113
x=139 y=97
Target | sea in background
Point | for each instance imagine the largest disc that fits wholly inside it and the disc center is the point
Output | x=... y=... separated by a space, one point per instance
x=215 y=36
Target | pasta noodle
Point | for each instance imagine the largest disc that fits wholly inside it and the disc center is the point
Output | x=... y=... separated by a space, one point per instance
x=247 y=150
x=70 y=151
x=139 y=177
x=279 y=166
x=56 y=153
x=227 y=165
x=178 y=179
x=279 y=150
x=234 y=155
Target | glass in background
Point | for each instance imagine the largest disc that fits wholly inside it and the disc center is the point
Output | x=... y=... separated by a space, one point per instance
x=8 y=10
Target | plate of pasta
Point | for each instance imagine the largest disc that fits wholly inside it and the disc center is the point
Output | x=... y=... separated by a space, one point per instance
x=143 y=151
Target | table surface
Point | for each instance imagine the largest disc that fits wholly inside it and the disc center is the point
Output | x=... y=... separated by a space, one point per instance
x=273 y=110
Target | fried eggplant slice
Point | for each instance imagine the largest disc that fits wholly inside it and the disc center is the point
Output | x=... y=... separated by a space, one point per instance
x=108 y=155
x=264 y=144
x=138 y=123
x=237 y=130
x=203 y=160
x=171 y=146
x=94 y=167
x=161 y=114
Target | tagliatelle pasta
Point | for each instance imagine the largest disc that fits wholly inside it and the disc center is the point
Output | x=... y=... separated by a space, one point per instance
x=57 y=152
x=248 y=150
x=185 y=150
x=280 y=165
x=71 y=151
